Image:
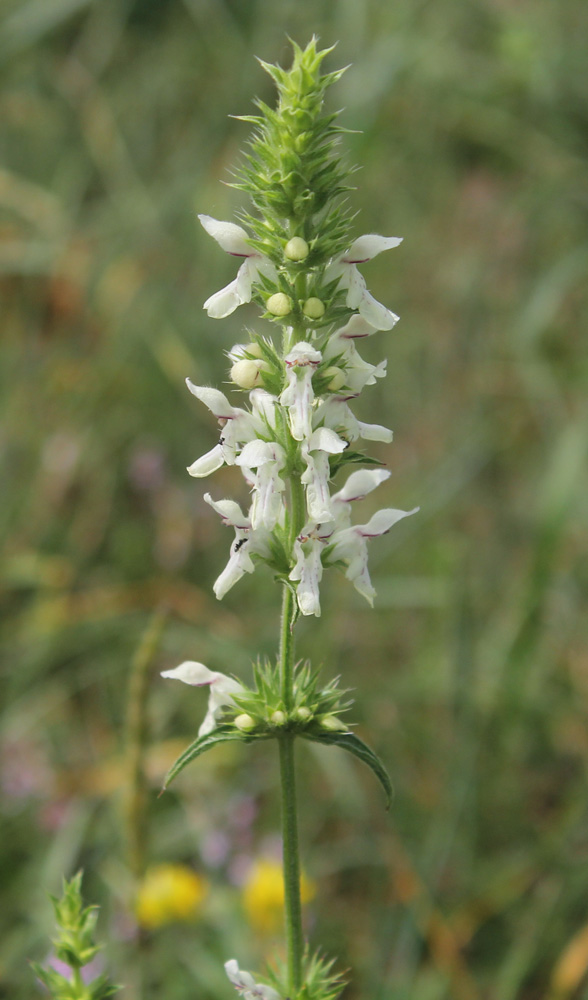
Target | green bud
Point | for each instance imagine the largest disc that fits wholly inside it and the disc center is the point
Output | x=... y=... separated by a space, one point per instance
x=278 y=718
x=279 y=304
x=296 y=248
x=333 y=725
x=254 y=349
x=336 y=378
x=303 y=714
x=245 y=722
x=313 y=308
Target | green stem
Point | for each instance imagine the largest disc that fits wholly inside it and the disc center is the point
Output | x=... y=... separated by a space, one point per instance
x=291 y=857
x=291 y=860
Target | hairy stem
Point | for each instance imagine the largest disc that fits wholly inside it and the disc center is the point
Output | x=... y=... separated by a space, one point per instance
x=291 y=859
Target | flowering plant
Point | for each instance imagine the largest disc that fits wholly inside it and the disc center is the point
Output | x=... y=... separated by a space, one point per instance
x=299 y=264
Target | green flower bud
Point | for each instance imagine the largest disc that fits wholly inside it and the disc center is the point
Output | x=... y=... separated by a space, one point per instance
x=245 y=722
x=313 y=308
x=296 y=248
x=247 y=373
x=303 y=714
x=278 y=718
x=333 y=725
x=254 y=349
x=279 y=304
x=336 y=378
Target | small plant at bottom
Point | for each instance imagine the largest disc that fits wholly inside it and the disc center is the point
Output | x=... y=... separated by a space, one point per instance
x=68 y=974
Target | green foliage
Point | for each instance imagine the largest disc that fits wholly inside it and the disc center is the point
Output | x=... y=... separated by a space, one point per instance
x=319 y=980
x=314 y=711
x=74 y=945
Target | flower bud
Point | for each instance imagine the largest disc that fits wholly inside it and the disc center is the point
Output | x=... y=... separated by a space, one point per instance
x=247 y=373
x=313 y=308
x=278 y=718
x=279 y=304
x=254 y=349
x=336 y=378
x=303 y=714
x=333 y=725
x=296 y=248
x=245 y=722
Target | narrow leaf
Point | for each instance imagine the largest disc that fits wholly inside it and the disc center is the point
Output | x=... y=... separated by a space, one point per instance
x=359 y=749
x=222 y=734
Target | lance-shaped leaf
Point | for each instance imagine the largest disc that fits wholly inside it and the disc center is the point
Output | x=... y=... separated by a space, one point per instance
x=222 y=734
x=359 y=749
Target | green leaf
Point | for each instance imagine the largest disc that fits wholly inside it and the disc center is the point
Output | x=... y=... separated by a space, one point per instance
x=359 y=749
x=222 y=734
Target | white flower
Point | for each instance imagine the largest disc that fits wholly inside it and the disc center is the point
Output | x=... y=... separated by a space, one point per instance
x=222 y=689
x=233 y=239
x=308 y=569
x=268 y=457
x=237 y=426
x=336 y=414
x=341 y=350
x=358 y=485
x=263 y=407
x=358 y=297
x=298 y=395
x=322 y=443
x=245 y=984
x=247 y=542
x=350 y=546
x=341 y=344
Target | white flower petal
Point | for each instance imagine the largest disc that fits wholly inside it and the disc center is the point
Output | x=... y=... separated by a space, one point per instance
x=208 y=463
x=356 y=289
x=264 y=406
x=369 y=246
x=355 y=329
x=229 y=511
x=224 y=302
x=316 y=479
x=382 y=521
x=325 y=439
x=229 y=236
x=256 y=453
x=360 y=483
x=244 y=280
x=308 y=573
x=298 y=396
x=376 y=314
x=222 y=689
x=214 y=399
x=240 y=562
x=191 y=672
x=374 y=432
x=245 y=983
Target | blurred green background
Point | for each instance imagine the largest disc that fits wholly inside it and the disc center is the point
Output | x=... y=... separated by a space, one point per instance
x=471 y=675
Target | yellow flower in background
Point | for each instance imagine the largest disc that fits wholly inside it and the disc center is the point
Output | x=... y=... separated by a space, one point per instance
x=263 y=895
x=169 y=893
